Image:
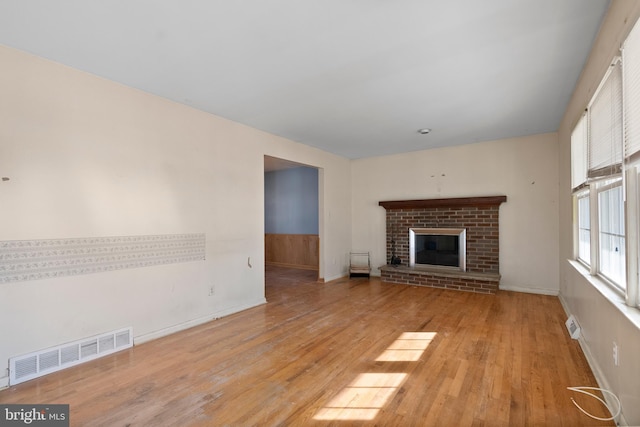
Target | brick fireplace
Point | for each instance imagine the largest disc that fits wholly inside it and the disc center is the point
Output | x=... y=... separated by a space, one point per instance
x=479 y=216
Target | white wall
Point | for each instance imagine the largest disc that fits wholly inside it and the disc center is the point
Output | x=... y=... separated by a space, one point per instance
x=602 y=321
x=523 y=169
x=87 y=158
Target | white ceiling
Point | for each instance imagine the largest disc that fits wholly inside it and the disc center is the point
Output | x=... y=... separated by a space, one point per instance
x=354 y=77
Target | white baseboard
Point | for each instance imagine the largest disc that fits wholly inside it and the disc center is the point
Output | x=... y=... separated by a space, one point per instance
x=195 y=322
x=4 y=383
x=601 y=379
x=539 y=291
x=565 y=307
x=332 y=278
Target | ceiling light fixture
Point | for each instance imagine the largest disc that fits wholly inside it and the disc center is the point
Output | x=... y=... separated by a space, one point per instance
x=424 y=131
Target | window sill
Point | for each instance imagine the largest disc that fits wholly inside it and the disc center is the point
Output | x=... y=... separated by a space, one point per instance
x=610 y=294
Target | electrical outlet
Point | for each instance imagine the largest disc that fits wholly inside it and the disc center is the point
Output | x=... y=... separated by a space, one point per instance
x=212 y=291
x=616 y=354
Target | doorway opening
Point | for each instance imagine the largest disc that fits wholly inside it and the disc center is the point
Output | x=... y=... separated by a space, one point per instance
x=292 y=223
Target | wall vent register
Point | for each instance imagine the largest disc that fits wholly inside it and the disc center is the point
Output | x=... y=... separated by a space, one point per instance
x=42 y=362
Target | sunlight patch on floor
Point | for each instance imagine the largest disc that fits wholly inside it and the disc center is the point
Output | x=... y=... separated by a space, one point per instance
x=363 y=398
x=408 y=347
x=369 y=392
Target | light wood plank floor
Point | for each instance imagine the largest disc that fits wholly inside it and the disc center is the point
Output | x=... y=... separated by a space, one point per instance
x=349 y=352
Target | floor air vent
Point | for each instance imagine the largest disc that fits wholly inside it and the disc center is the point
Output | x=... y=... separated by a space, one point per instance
x=573 y=327
x=39 y=363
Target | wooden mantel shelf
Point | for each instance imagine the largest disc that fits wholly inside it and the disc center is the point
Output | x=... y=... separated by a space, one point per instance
x=443 y=203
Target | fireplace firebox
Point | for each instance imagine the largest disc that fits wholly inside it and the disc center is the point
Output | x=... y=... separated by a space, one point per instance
x=438 y=247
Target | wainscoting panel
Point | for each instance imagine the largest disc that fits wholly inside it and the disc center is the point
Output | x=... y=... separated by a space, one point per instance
x=292 y=250
x=22 y=260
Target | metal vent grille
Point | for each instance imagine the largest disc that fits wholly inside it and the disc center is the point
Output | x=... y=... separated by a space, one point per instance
x=573 y=327
x=88 y=349
x=70 y=354
x=39 y=363
x=26 y=366
x=48 y=360
x=106 y=343
x=122 y=338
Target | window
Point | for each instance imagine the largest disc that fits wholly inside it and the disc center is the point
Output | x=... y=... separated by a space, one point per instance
x=584 y=228
x=631 y=113
x=600 y=230
x=597 y=147
x=605 y=155
x=579 y=153
x=604 y=128
x=611 y=238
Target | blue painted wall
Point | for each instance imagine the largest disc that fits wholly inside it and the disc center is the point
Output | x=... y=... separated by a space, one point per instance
x=291 y=201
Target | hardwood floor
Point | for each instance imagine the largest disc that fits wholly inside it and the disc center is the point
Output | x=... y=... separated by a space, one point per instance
x=347 y=352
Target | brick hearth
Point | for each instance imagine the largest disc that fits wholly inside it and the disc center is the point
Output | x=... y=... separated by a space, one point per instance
x=478 y=215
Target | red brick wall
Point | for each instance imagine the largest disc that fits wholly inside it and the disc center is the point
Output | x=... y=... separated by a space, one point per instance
x=481 y=223
x=433 y=280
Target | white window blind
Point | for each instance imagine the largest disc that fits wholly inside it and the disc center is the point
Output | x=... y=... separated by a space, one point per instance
x=579 y=153
x=605 y=127
x=631 y=85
